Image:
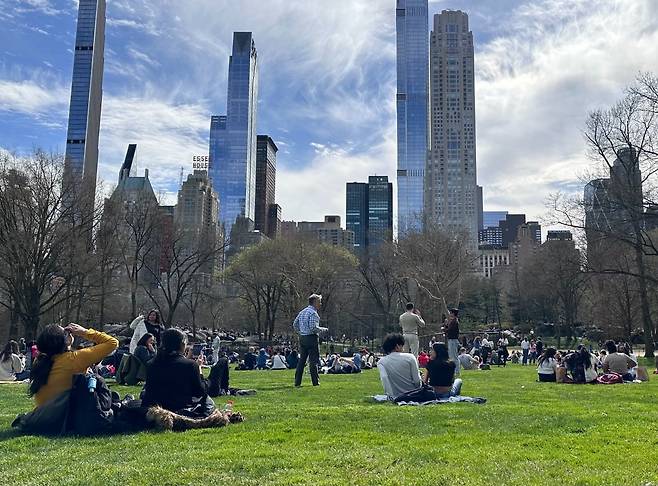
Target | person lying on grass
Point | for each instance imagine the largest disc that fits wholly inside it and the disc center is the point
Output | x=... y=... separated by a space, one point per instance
x=55 y=364
x=440 y=373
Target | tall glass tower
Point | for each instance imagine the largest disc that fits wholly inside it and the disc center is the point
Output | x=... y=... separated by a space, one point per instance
x=412 y=99
x=451 y=196
x=81 y=157
x=233 y=137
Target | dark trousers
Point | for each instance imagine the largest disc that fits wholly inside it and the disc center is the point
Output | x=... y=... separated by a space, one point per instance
x=308 y=349
x=525 y=356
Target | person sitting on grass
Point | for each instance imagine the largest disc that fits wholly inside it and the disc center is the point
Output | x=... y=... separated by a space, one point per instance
x=55 y=364
x=175 y=382
x=12 y=366
x=292 y=358
x=397 y=370
x=261 y=362
x=249 y=360
x=616 y=362
x=146 y=350
x=467 y=361
x=440 y=373
x=547 y=369
x=278 y=362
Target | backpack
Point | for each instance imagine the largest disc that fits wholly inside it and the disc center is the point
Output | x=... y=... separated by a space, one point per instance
x=610 y=379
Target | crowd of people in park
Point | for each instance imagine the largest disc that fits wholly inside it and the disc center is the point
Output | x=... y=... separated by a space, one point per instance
x=171 y=370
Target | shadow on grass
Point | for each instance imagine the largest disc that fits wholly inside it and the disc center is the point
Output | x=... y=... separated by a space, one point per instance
x=8 y=434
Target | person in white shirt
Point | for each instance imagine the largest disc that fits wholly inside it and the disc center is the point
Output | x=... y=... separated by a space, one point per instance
x=410 y=321
x=216 y=344
x=525 y=348
x=12 y=366
x=398 y=371
x=279 y=362
x=547 y=369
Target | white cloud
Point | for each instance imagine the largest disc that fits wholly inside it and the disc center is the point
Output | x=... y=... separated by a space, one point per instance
x=31 y=98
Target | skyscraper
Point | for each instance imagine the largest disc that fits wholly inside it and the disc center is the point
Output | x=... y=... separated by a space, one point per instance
x=380 y=210
x=233 y=137
x=493 y=218
x=197 y=215
x=356 y=213
x=266 y=151
x=81 y=157
x=451 y=197
x=369 y=211
x=412 y=118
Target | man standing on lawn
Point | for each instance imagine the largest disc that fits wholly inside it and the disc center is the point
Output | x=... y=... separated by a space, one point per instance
x=410 y=321
x=525 y=347
x=307 y=325
x=451 y=329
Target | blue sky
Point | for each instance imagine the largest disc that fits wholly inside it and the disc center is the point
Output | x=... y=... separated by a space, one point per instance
x=327 y=87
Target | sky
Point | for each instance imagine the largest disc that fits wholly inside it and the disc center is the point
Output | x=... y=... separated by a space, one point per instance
x=327 y=87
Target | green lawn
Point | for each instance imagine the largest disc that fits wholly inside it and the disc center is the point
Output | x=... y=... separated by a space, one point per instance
x=527 y=433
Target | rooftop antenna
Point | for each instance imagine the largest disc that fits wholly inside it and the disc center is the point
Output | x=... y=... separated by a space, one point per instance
x=180 y=179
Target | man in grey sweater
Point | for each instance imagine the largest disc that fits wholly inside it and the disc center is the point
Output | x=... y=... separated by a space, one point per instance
x=397 y=370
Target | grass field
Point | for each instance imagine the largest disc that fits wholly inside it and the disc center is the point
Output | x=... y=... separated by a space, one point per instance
x=527 y=433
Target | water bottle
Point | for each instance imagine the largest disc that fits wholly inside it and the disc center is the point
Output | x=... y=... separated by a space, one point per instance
x=91 y=382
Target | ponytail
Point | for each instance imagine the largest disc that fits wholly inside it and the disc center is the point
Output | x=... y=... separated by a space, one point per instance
x=39 y=373
x=51 y=342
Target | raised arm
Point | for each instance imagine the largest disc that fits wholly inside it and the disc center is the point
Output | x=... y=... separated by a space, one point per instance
x=104 y=345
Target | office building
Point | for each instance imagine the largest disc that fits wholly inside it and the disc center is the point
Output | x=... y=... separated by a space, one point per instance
x=81 y=156
x=328 y=231
x=197 y=217
x=493 y=235
x=232 y=151
x=412 y=118
x=369 y=211
x=492 y=218
x=510 y=227
x=559 y=235
x=491 y=258
x=451 y=195
x=274 y=221
x=266 y=151
x=356 y=217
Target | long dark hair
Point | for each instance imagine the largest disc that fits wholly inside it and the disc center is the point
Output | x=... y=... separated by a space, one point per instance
x=144 y=338
x=585 y=357
x=547 y=354
x=157 y=316
x=50 y=343
x=441 y=351
x=10 y=348
x=172 y=342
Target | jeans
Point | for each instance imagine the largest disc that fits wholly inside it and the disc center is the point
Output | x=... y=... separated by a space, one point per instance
x=455 y=391
x=411 y=344
x=308 y=349
x=525 y=357
x=453 y=352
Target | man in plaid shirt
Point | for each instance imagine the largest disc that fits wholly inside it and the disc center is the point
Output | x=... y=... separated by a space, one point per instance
x=307 y=325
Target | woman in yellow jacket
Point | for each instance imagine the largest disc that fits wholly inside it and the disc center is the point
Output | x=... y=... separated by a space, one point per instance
x=54 y=367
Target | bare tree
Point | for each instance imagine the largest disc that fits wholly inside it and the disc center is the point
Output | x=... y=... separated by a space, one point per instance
x=622 y=140
x=39 y=232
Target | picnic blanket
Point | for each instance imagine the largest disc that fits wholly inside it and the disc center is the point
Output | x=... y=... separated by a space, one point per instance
x=11 y=382
x=458 y=399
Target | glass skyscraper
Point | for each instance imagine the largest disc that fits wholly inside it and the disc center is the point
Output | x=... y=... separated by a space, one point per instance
x=233 y=137
x=452 y=197
x=412 y=113
x=369 y=211
x=81 y=157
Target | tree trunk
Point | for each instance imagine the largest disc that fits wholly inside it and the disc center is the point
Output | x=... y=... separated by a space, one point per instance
x=644 y=301
x=133 y=298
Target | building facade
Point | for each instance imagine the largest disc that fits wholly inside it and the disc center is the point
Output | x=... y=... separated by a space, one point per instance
x=369 y=212
x=491 y=257
x=328 y=231
x=451 y=193
x=491 y=219
x=81 y=156
x=274 y=221
x=266 y=151
x=232 y=151
x=412 y=119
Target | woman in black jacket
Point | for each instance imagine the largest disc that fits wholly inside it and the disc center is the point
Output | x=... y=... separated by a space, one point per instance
x=175 y=382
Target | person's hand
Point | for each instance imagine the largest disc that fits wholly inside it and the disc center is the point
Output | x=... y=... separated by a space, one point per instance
x=75 y=329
